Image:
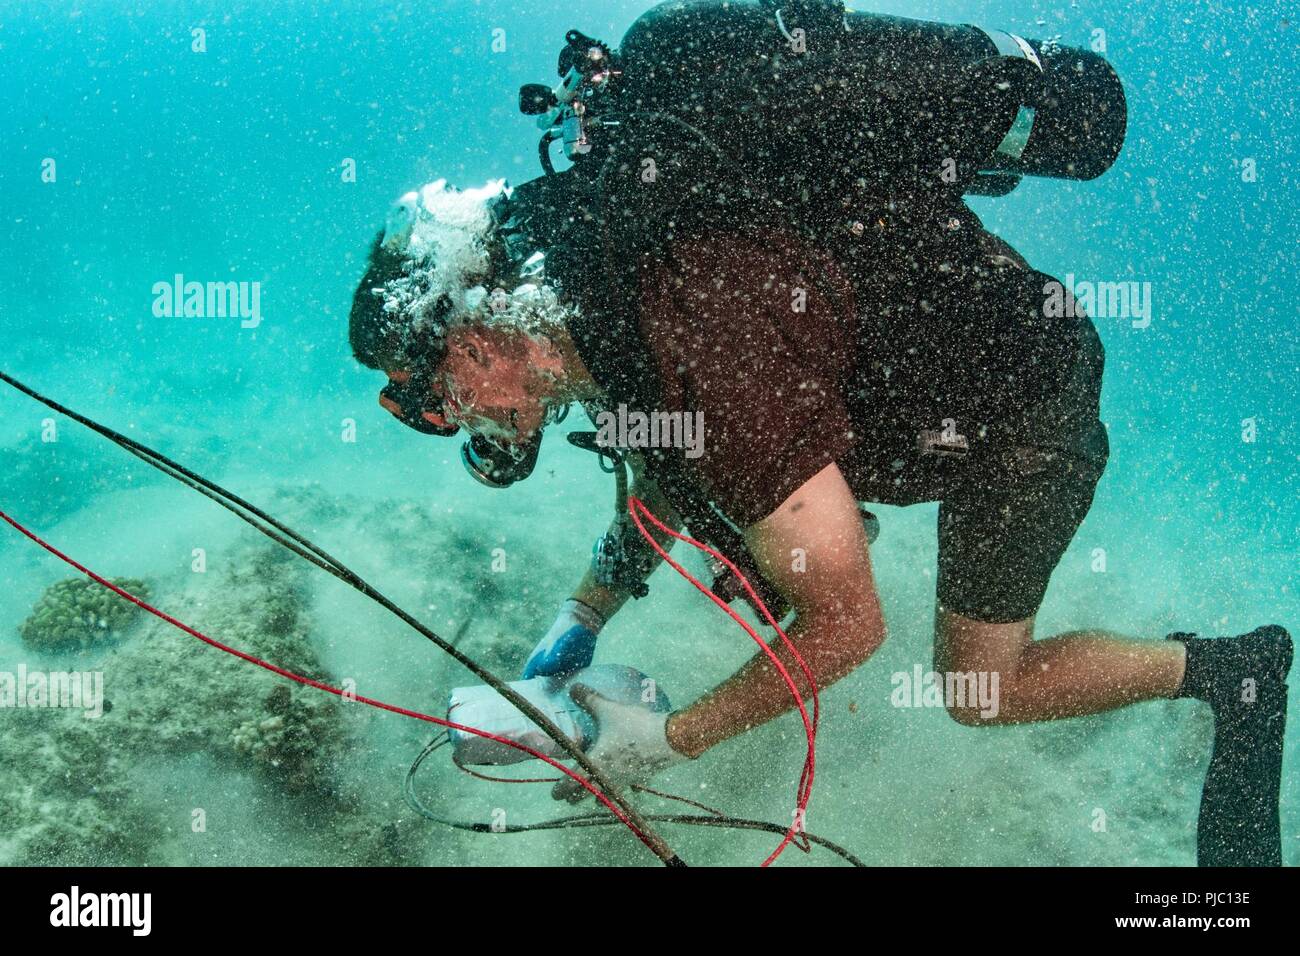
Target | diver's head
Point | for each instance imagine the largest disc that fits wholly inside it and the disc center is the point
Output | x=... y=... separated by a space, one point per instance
x=467 y=330
x=500 y=381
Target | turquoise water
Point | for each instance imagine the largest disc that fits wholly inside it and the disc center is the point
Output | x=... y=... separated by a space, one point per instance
x=227 y=164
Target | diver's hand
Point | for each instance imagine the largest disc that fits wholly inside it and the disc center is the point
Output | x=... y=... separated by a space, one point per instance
x=569 y=645
x=631 y=743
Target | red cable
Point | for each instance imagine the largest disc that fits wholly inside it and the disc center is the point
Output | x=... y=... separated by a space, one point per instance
x=804 y=791
x=307 y=681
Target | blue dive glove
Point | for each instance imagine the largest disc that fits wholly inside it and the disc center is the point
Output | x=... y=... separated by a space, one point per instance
x=569 y=645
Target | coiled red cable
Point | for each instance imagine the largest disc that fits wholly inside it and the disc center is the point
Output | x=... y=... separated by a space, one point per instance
x=636 y=507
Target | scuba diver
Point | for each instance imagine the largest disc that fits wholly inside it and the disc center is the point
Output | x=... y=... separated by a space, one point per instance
x=772 y=235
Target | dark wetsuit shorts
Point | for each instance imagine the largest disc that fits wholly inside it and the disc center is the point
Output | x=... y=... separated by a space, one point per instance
x=1004 y=521
x=1012 y=502
x=998 y=545
x=1003 y=525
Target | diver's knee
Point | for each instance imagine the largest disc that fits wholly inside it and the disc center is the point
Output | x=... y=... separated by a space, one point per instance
x=975 y=698
x=869 y=643
x=970 y=715
x=863 y=637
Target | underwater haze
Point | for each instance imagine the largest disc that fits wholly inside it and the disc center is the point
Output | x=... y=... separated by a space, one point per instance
x=263 y=144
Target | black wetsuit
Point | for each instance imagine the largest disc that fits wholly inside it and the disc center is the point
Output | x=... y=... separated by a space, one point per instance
x=958 y=338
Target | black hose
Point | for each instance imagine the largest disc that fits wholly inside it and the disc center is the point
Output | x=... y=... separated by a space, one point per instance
x=544 y=151
x=712 y=819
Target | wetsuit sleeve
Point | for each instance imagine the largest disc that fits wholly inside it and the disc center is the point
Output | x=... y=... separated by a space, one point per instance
x=753 y=341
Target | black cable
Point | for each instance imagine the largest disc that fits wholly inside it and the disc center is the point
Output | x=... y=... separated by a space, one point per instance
x=715 y=819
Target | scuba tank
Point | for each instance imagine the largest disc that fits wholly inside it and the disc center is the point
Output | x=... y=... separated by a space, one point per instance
x=812 y=101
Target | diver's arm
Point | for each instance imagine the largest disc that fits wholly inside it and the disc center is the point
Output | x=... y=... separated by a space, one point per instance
x=570 y=644
x=607 y=600
x=838 y=626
